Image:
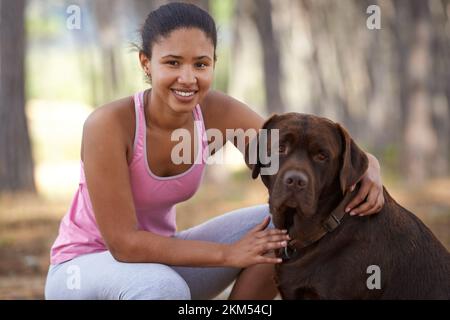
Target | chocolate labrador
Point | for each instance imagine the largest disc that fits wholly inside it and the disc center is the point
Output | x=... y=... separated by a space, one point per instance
x=331 y=255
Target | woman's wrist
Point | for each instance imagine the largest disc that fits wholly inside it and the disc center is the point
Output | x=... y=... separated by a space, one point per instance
x=224 y=255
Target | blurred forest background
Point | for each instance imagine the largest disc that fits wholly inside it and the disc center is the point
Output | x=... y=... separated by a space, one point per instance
x=390 y=87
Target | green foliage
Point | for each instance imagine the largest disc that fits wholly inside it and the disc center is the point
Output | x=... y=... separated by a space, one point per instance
x=59 y=78
x=41 y=25
x=222 y=10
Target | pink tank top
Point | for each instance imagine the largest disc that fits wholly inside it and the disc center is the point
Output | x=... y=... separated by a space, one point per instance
x=154 y=197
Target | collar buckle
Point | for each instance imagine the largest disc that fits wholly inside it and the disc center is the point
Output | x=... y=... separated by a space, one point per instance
x=288 y=252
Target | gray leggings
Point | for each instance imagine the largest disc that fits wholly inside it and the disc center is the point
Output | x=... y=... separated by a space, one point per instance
x=100 y=276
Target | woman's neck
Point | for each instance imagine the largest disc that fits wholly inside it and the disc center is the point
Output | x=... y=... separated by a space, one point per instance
x=161 y=116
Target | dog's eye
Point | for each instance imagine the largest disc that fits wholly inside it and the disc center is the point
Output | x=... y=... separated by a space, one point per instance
x=321 y=156
x=282 y=149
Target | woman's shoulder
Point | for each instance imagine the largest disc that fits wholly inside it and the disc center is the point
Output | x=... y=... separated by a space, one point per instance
x=115 y=115
x=223 y=111
x=215 y=100
x=218 y=106
x=112 y=121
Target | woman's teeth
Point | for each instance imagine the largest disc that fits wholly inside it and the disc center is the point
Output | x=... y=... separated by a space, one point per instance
x=184 y=94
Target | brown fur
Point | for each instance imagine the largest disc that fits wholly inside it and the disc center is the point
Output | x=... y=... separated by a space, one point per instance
x=413 y=263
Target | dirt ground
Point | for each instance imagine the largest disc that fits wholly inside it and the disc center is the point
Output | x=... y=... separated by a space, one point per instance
x=29 y=225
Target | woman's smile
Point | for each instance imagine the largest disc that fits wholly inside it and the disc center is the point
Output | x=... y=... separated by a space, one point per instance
x=184 y=95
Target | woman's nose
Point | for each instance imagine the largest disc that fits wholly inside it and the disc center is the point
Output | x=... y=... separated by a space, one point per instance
x=187 y=76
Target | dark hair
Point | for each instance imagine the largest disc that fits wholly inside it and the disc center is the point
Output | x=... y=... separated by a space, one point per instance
x=167 y=18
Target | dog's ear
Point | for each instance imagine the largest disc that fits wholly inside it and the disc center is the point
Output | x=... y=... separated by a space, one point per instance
x=252 y=150
x=354 y=161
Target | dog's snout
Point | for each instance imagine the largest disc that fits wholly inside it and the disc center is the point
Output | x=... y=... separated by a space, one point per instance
x=295 y=179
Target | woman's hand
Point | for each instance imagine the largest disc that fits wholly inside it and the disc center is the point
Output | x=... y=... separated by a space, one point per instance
x=369 y=199
x=255 y=244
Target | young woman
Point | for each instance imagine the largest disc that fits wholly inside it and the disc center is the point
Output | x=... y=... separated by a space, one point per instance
x=118 y=240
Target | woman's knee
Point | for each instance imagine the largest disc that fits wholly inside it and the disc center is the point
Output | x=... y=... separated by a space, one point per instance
x=243 y=220
x=255 y=215
x=228 y=227
x=260 y=212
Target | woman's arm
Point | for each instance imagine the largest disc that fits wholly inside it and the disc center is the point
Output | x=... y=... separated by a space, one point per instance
x=106 y=170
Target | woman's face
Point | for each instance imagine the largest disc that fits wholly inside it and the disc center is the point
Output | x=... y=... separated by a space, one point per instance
x=181 y=69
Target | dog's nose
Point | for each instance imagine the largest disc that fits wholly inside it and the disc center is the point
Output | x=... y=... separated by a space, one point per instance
x=295 y=179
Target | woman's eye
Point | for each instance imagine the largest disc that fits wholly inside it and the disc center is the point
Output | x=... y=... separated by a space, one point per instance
x=321 y=156
x=200 y=65
x=173 y=63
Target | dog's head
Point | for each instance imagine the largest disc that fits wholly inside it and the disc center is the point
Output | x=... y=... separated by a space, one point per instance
x=317 y=158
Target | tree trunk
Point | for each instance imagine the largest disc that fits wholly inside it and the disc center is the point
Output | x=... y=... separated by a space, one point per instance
x=106 y=16
x=16 y=163
x=329 y=38
x=420 y=137
x=141 y=9
x=440 y=90
x=261 y=13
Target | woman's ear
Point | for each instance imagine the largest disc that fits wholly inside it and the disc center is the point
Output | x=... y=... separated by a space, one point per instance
x=145 y=62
